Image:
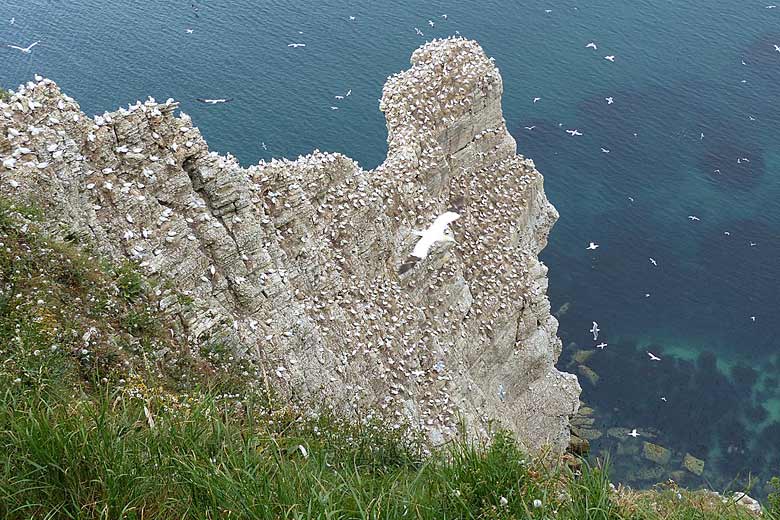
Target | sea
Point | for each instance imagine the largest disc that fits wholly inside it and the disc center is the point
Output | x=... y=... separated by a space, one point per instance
x=676 y=176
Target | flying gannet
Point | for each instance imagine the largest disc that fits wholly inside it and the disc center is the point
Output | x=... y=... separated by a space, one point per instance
x=595 y=331
x=436 y=232
x=26 y=50
x=214 y=101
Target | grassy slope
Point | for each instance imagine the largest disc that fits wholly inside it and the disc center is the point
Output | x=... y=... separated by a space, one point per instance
x=102 y=415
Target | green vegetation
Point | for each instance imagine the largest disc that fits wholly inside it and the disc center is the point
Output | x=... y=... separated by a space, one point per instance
x=3 y=94
x=103 y=416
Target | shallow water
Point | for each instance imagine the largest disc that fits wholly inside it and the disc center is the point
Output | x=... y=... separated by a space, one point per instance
x=678 y=74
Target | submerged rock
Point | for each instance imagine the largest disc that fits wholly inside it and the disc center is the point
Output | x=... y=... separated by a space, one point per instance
x=692 y=464
x=303 y=266
x=589 y=374
x=656 y=453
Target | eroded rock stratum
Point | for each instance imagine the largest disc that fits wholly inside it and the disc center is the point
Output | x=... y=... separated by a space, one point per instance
x=296 y=263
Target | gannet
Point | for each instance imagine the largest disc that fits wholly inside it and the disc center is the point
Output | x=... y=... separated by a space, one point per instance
x=653 y=357
x=214 y=101
x=296 y=45
x=592 y=246
x=595 y=331
x=633 y=433
x=652 y=261
x=26 y=50
x=437 y=232
x=601 y=345
x=609 y=58
x=591 y=45
x=574 y=132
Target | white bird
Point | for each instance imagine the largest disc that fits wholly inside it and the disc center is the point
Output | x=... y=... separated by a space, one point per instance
x=352 y=18
x=592 y=246
x=777 y=48
x=339 y=97
x=334 y=108
x=652 y=261
x=653 y=357
x=591 y=45
x=349 y=92
x=418 y=31
x=753 y=319
x=595 y=331
x=633 y=433
x=529 y=128
x=604 y=150
x=26 y=50
x=609 y=58
x=537 y=99
x=444 y=16
x=609 y=100
x=190 y=31
x=693 y=217
x=214 y=101
x=663 y=399
x=601 y=345
x=574 y=132
x=296 y=45
x=437 y=232
x=430 y=22
x=12 y=20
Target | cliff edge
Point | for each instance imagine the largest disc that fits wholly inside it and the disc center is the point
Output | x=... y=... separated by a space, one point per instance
x=302 y=265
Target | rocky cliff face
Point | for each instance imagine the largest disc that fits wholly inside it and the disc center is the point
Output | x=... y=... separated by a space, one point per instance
x=298 y=264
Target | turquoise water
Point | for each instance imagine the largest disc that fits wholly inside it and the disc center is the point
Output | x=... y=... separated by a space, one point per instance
x=681 y=69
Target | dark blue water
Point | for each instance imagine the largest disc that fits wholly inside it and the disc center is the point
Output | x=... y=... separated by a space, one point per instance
x=692 y=132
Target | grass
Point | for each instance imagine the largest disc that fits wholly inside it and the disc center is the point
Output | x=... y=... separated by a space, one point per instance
x=4 y=94
x=104 y=416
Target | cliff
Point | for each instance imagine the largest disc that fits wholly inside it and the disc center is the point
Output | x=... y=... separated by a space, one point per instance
x=301 y=266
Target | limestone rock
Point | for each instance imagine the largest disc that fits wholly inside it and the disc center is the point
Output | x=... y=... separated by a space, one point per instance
x=297 y=264
x=656 y=453
x=692 y=464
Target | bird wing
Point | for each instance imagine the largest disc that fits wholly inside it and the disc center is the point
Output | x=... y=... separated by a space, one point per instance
x=444 y=220
x=33 y=45
x=16 y=47
x=423 y=245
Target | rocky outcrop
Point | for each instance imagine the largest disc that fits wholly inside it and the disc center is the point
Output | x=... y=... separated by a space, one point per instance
x=297 y=264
